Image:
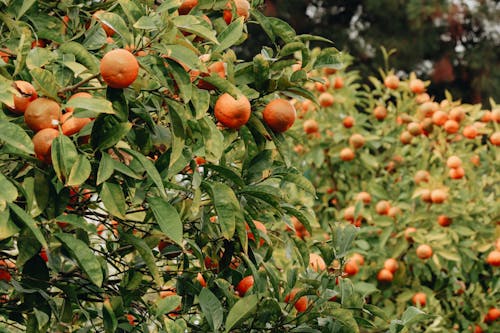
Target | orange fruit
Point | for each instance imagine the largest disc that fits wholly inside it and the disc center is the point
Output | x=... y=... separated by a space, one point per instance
x=5 y=275
x=218 y=67
x=391 y=265
x=422 y=98
x=321 y=87
x=439 y=118
x=5 y=56
x=242 y=9
x=351 y=268
x=42 y=113
x=347 y=154
x=245 y=284
x=357 y=140
x=232 y=113
x=325 y=99
x=417 y=86
x=438 y=196
x=457 y=173
x=405 y=137
x=424 y=251
x=408 y=232
x=394 y=211
x=493 y=258
x=421 y=176
x=492 y=315
x=311 y=126
x=391 y=81
x=425 y=195
x=444 y=220
x=201 y=280
x=27 y=95
x=380 y=112
x=43 y=255
x=119 y=68
x=382 y=207
x=427 y=109
x=495 y=139
x=260 y=226
x=365 y=197
x=358 y=258
x=385 y=275
x=71 y=124
x=457 y=114
x=279 y=115
x=348 y=122
x=338 y=83
x=470 y=132
x=186 y=6
x=42 y=141
x=316 y=262
x=131 y=319
x=419 y=299
x=486 y=117
x=451 y=126
x=300 y=229
x=300 y=304
x=478 y=329
x=349 y=213
x=107 y=28
x=453 y=162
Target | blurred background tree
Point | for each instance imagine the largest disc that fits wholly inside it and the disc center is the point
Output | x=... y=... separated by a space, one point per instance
x=455 y=44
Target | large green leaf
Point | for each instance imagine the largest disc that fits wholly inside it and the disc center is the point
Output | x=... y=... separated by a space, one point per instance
x=167 y=304
x=64 y=156
x=80 y=171
x=227 y=207
x=146 y=254
x=82 y=55
x=113 y=199
x=211 y=308
x=86 y=259
x=150 y=170
x=15 y=136
x=8 y=193
x=107 y=131
x=46 y=81
x=230 y=35
x=167 y=218
x=116 y=22
x=89 y=107
x=346 y=319
x=241 y=310
x=28 y=222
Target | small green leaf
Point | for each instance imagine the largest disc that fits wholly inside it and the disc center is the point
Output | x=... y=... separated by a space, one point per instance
x=86 y=259
x=82 y=55
x=77 y=221
x=46 y=81
x=412 y=315
x=89 y=107
x=147 y=255
x=29 y=222
x=15 y=136
x=109 y=318
x=64 y=156
x=80 y=171
x=167 y=218
x=150 y=170
x=107 y=131
x=230 y=35
x=106 y=168
x=241 y=310
x=8 y=191
x=211 y=308
x=7 y=227
x=113 y=199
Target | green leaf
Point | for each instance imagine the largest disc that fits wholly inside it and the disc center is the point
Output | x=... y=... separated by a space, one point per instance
x=22 y=50
x=227 y=206
x=84 y=256
x=41 y=318
x=147 y=255
x=8 y=192
x=109 y=318
x=167 y=218
x=182 y=55
x=230 y=35
x=80 y=171
x=15 y=136
x=7 y=227
x=299 y=180
x=329 y=58
x=346 y=319
x=260 y=71
x=413 y=315
x=27 y=4
x=106 y=168
x=241 y=310
x=28 y=222
x=116 y=22
x=213 y=140
x=64 y=156
x=151 y=22
x=182 y=80
x=167 y=305
x=107 y=131
x=195 y=25
x=150 y=170
x=46 y=82
x=282 y=29
x=89 y=107
x=113 y=199
x=131 y=10
x=77 y=221
x=223 y=85
x=265 y=23
x=211 y=308
x=344 y=237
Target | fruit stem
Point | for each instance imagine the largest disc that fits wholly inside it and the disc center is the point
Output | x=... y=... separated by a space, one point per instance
x=79 y=84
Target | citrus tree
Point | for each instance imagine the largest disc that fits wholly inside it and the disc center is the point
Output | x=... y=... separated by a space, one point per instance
x=419 y=178
x=147 y=183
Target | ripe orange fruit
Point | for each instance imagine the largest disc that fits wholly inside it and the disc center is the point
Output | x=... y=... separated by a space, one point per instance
x=119 y=68
x=477 y=329
x=457 y=173
x=492 y=315
x=470 y=132
x=28 y=94
x=351 y=268
x=414 y=128
x=325 y=99
x=186 y=6
x=439 y=118
x=425 y=195
x=457 y=114
x=5 y=56
x=311 y=126
x=495 y=139
x=348 y=122
x=218 y=67
x=5 y=275
x=382 y=207
x=391 y=265
x=347 y=154
x=43 y=255
x=201 y=280
x=232 y=113
x=316 y=262
x=405 y=137
x=493 y=258
x=453 y=162
x=380 y=112
x=42 y=142
x=338 y=83
x=358 y=258
x=394 y=211
x=417 y=86
x=444 y=220
x=421 y=176
x=428 y=108
x=451 y=126
x=300 y=229
x=300 y=304
x=42 y=113
x=422 y=98
x=385 y=275
x=71 y=124
x=438 y=196
x=107 y=29
x=408 y=232
x=419 y=299
x=424 y=251
x=260 y=226
x=242 y=9
x=391 y=81
x=365 y=197
x=357 y=141
x=279 y=115
x=131 y=319
x=245 y=284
